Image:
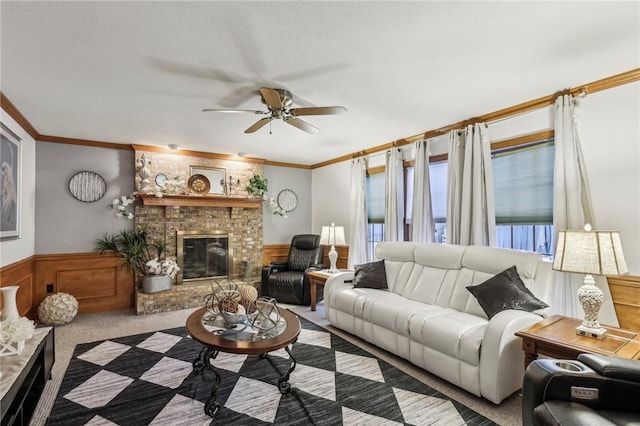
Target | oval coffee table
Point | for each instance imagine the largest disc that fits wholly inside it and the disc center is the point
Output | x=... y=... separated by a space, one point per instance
x=211 y=331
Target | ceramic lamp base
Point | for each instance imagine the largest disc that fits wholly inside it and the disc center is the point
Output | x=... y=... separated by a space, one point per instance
x=333 y=258
x=591 y=298
x=598 y=333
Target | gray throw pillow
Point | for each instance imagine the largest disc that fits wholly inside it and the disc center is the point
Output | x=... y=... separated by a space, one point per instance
x=370 y=275
x=505 y=291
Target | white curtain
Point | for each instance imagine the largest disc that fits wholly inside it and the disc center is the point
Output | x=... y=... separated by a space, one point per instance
x=358 y=225
x=572 y=207
x=394 y=196
x=454 y=185
x=422 y=224
x=470 y=205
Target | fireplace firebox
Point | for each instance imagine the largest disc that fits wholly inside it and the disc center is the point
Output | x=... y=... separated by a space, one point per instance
x=204 y=255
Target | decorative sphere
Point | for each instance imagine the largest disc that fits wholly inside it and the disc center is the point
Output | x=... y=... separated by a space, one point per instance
x=228 y=304
x=248 y=293
x=59 y=308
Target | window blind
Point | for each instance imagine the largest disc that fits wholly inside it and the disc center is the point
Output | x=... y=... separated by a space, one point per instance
x=523 y=185
x=375 y=198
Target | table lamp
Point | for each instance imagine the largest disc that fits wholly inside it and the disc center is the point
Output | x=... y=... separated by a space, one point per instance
x=332 y=235
x=591 y=253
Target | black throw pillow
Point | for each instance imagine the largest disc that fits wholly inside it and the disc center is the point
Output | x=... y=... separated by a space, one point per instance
x=370 y=275
x=505 y=291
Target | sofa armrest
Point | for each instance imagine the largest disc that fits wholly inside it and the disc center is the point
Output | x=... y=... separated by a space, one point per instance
x=502 y=351
x=334 y=284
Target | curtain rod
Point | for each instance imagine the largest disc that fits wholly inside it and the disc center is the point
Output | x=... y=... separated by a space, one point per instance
x=582 y=90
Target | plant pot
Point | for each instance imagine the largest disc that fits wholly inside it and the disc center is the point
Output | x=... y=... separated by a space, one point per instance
x=156 y=283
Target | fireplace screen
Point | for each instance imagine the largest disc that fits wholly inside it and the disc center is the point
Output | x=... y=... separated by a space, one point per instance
x=203 y=255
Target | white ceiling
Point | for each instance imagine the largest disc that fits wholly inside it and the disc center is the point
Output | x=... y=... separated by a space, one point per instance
x=140 y=72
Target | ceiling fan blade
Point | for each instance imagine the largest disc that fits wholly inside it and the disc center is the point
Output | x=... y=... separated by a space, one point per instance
x=301 y=124
x=258 y=124
x=271 y=97
x=332 y=110
x=233 y=110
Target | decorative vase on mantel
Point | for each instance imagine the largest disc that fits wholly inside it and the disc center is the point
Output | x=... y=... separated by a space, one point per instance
x=156 y=283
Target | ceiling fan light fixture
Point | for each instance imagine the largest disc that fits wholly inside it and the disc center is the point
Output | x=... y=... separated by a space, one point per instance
x=242 y=154
x=173 y=146
x=278 y=103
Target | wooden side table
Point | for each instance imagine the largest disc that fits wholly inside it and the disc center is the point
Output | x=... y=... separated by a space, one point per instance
x=316 y=278
x=556 y=337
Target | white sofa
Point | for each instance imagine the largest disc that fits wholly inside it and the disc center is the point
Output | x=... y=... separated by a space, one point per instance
x=428 y=317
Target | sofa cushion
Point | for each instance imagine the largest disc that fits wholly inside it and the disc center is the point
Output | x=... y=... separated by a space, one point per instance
x=505 y=291
x=453 y=333
x=370 y=275
x=395 y=312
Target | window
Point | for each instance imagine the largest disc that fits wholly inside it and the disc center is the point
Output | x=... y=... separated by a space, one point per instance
x=438 y=178
x=523 y=192
x=375 y=212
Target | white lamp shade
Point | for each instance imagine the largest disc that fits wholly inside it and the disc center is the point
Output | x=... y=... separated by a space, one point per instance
x=590 y=252
x=332 y=236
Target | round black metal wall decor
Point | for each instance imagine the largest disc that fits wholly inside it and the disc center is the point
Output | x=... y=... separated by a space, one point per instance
x=287 y=200
x=87 y=186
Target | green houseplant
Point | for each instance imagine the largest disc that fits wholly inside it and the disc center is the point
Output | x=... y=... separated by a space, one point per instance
x=257 y=185
x=142 y=256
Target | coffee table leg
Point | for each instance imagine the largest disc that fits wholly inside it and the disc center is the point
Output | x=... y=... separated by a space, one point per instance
x=283 y=383
x=198 y=363
x=203 y=361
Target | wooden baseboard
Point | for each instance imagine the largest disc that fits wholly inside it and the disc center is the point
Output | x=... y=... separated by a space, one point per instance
x=280 y=252
x=97 y=281
x=21 y=274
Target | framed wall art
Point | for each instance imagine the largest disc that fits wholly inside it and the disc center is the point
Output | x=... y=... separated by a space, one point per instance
x=10 y=183
x=215 y=175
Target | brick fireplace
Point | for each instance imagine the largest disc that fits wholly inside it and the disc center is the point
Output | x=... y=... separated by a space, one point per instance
x=237 y=217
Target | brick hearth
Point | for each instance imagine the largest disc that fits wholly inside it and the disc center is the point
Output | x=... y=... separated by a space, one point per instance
x=184 y=296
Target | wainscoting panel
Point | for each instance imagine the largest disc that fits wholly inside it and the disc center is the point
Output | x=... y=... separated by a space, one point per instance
x=279 y=253
x=625 y=292
x=97 y=281
x=103 y=280
x=21 y=274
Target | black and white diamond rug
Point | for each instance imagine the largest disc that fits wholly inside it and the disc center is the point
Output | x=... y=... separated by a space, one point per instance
x=148 y=379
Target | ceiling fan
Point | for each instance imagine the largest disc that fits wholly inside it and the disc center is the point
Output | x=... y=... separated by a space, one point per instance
x=278 y=102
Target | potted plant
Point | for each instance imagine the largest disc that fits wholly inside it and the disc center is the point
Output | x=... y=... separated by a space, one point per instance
x=142 y=256
x=257 y=185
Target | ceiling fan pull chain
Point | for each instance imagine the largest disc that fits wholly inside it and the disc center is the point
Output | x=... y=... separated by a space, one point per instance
x=270 y=121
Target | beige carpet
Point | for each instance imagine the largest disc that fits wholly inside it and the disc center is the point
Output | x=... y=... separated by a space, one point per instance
x=92 y=327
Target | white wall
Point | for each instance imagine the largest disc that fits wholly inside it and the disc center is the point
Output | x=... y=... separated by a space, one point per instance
x=330 y=188
x=14 y=250
x=278 y=229
x=64 y=224
x=610 y=136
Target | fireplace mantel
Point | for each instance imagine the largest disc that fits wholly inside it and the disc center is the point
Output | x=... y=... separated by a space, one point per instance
x=200 y=201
